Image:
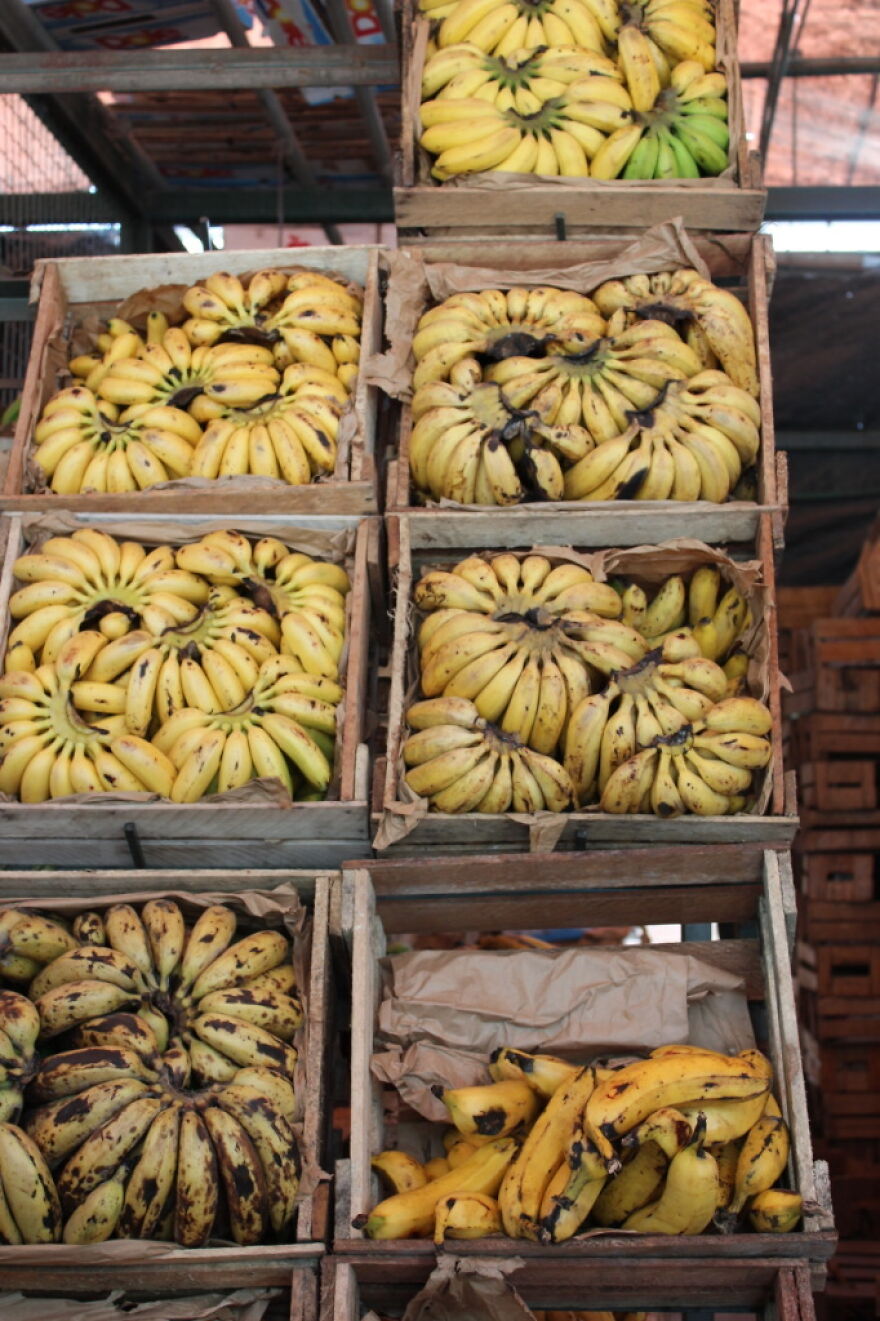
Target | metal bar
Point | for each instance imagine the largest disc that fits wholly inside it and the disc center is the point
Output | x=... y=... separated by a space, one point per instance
x=816 y=203
x=342 y=31
x=200 y=69
x=814 y=68
x=781 y=58
x=829 y=442
x=292 y=153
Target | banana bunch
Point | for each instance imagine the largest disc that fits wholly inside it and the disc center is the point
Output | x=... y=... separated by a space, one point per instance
x=500 y=28
x=522 y=132
x=521 y=640
x=19 y=1029
x=81 y=448
x=717 y=325
x=681 y=122
x=527 y=665
x=495 y=324
x=547 y=394
x=706 y=767
x=669 y=1144
x=168 y=1113
x=289 y=434
x=131 y=672
x=284 y=727
x=307 y=596
x=470 y=444
x=671 y=451
x=542 y=72
x=696 y=610
x=173 y=372
x=300 y=312
x=50 y=749
x=254 y=381
x=89 y=579
x=461 y=763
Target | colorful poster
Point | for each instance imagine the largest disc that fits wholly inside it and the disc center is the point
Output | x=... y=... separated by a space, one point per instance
x=128 y=24
x=297 y=23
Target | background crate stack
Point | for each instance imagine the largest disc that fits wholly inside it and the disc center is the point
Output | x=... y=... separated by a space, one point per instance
x=831 y=641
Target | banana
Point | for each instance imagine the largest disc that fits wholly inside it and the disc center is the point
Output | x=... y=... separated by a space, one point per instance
x=244 y=1043
x=74 y=1071
x=401 y=1171
x=466 y=1215
x=762 y=1159
x=229 y=965
x=567 y=1210
x=638 y=1183
x=241 y=1174
x=633 y=1093
x=75 y=1002
x=208 y=939
x=493 y=1110
x=126 y=934
x=275 y=1144
x=412 y=1214
x=277 y=1013
x=197 y=1185
x=103 y=1150
x=690 y=1195
x=667 y=1128
x=96 y=1218
x=775 y=1211
x=544 y=1073
x=542 y=1152
x=29 y=1194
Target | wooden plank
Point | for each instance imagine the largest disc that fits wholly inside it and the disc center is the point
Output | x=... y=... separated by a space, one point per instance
x=55 y=73
x=71 y=288
x=360 y=1284
x=94 y=884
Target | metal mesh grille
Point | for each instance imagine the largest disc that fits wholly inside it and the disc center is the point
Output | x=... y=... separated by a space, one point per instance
x=32 y=161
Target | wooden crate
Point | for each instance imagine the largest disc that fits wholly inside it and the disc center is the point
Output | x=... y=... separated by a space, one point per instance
x=414 y=542
x=841 y=667
x=839 y=786
x=839 y=922
x=356 y=1287
x=169 y=1268
x=601 y=888
x=71 y=289
x=745 y=263
x=219 y=833
x=531 y=205
x=860 y=594
x=827 y=737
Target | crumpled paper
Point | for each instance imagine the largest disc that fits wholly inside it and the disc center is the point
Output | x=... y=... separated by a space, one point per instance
x=443 y=1012
x=466 y=1289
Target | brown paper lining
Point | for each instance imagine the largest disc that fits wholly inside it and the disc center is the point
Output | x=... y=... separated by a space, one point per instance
x=336 y=546
x=462 y=1288
x=414 y=282
x=419 y=29
x=281 y=907
x=240 y=1305
x=443 y=1012
x=75 y=330
x=648 y=565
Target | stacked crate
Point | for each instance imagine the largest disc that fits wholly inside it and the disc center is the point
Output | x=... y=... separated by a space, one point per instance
x=833 y=721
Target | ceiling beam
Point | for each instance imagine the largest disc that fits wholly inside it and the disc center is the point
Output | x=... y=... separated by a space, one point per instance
x=817 y=203
x=199 y=69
